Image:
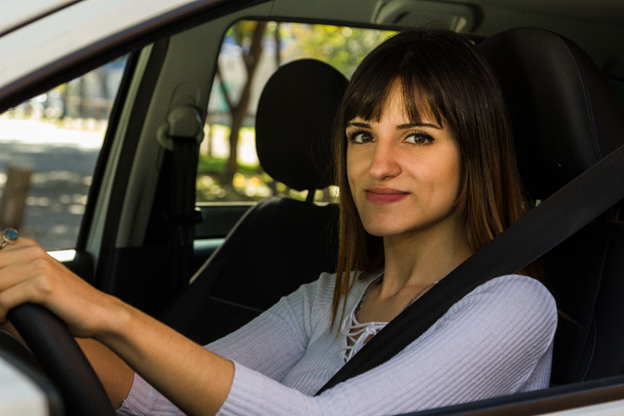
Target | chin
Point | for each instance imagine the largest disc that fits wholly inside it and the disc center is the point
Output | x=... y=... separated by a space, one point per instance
x=383 y=230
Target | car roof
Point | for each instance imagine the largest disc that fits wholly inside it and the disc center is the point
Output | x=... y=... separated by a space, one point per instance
x=48 y=40
x=18 y=13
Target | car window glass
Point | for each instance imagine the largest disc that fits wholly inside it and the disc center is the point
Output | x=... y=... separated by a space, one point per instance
x=48 y=149
x=250 y=53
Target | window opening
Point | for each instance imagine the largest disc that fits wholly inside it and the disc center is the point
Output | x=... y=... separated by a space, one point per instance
x=251 y=52
x=49 y=145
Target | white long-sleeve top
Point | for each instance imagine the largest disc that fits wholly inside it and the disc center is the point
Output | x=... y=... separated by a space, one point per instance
x=497 y=340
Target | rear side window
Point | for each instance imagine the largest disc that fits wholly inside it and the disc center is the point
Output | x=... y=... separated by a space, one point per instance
x=251 y=52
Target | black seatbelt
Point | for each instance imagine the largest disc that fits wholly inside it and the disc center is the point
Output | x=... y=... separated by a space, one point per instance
x=182 y=135
x=182 y=215
x=557 y=218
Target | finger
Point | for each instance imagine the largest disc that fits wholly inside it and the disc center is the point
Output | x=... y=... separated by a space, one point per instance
x=21 y=242
x=11 y=275
x=17 y=266
x=43 y=272
x=21 y=252
x=23 y=292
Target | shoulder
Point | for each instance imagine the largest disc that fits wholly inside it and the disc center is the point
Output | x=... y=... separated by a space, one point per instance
x=518 y=288
x=524 y=284
x=318 y=291
x=311 y=301
x=519 y=300
x=508 y=314
x=321 y=291
x=499 y=337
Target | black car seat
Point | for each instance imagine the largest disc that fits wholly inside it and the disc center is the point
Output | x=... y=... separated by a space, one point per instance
x=565 y=119
x=280 y=243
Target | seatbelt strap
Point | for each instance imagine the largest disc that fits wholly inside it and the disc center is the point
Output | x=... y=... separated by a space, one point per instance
x=182 y=215
x=182 y=135
x=555 y=219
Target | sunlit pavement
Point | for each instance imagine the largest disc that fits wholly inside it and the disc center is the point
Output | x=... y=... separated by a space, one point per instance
x=63 y=161
x=44 y=133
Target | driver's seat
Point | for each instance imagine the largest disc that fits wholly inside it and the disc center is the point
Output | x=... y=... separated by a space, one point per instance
x=566 y=118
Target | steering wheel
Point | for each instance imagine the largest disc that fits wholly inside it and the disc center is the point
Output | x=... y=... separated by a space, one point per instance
x=62 y=359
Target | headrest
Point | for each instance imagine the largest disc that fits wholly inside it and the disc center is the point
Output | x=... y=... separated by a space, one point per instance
x=294 y=123
x=565 y=116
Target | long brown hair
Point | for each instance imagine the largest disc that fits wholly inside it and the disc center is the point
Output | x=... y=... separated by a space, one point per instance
x=455 y=84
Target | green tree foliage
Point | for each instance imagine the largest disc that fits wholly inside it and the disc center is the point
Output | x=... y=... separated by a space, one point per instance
x=249 y=36
x=341 y=47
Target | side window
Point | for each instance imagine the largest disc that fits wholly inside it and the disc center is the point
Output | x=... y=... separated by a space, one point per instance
x=48 y=149
x=251 y=52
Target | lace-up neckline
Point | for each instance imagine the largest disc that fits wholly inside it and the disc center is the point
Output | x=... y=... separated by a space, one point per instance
x=358 y=334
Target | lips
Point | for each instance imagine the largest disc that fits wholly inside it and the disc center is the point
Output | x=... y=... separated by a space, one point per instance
x=378 y=195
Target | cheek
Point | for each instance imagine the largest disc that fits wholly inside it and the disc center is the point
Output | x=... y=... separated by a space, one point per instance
x=454 y=174
x=352 y=168
x=446 y=174
x=349 y=168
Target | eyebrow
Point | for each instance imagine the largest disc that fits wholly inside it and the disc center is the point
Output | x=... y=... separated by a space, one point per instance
x=399 y=127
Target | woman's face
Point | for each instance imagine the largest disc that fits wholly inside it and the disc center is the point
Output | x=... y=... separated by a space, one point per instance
x=404 y=177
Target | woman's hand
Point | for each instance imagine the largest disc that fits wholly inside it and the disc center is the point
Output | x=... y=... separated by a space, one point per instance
x=30 y=275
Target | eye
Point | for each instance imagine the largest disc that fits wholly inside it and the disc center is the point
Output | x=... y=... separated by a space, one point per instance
x=359 y=137
x=419 y=138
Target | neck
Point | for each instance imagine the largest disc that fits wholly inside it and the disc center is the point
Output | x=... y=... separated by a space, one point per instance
x=418 y=259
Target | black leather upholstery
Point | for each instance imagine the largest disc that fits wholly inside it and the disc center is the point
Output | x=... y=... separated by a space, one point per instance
x=280 y=243
x=564 y=113
x=565 y=119
x=295 y=103
x=587 y=273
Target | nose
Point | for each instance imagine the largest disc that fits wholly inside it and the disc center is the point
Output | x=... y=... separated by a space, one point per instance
x=385 y=164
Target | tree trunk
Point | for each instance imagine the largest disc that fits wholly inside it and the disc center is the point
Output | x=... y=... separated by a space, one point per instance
x=239 y=111
x=13 y=203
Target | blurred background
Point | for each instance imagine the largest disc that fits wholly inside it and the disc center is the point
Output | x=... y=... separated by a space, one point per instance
x=49 y=145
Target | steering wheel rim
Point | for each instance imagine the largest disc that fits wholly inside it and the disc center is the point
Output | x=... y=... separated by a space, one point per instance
x=62 y=359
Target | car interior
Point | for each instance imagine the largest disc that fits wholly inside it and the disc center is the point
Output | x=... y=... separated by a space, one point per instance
x=562 y=76
x=262 y=259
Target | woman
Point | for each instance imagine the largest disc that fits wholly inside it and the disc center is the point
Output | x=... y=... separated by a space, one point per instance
x=427 y=176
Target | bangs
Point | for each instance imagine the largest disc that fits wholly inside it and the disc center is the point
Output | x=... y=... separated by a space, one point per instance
x=370 y=89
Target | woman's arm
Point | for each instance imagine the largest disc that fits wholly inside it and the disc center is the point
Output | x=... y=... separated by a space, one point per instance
x=270 y=345
x=194 y=379
x=113 y=372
